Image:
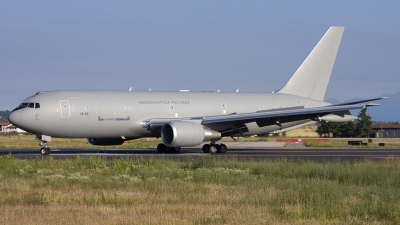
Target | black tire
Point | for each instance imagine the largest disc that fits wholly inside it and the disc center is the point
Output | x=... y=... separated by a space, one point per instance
x=45 y=151
x=161 y=148
x=222 y=148
x=206 y=148
x=213 y=149
x=169 y=149
x=176 y=149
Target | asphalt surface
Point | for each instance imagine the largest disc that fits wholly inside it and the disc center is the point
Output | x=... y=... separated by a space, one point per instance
x=242 y=151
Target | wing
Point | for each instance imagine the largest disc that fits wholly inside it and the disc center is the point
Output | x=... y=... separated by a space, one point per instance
x=263 y=118
x=311 y=113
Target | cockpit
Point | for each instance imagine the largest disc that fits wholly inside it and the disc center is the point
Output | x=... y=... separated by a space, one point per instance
x=33 y=105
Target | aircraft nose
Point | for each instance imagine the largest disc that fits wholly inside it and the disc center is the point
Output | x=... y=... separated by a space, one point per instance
x=14 y=118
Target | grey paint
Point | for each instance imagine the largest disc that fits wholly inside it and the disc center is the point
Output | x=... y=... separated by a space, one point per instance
x=115 y=114
x=315 y=71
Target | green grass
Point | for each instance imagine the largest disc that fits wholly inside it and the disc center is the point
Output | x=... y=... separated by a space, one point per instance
x=91 y=190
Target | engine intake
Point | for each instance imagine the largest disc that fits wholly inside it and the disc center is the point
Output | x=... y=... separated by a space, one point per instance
x=106 y=141
x=185 y=134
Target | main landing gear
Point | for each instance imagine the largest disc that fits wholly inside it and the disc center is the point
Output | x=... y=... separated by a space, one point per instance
x=45 y=150
x=161 y=148
x=207 y=148
x=214 y=148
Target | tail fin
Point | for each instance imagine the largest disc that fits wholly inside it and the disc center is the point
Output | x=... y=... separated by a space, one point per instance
x=312 y=77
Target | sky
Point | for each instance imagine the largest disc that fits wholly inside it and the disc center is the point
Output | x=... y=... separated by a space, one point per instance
x=253 y=46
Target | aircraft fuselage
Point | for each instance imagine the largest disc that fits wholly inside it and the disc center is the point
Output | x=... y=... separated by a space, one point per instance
x=106 y=114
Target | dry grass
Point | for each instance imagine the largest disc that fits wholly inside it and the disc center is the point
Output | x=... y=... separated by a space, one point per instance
x=205 y=191
x=132 y=206
x=305 y=131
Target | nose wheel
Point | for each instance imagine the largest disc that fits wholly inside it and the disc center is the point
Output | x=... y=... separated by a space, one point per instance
x=44 y=150
x=214 y=148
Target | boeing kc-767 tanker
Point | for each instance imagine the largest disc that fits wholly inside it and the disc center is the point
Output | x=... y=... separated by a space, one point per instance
x=184 y=119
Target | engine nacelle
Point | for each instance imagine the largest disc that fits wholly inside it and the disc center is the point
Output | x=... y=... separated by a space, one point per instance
x=338 y=118
x=185 y=134
x=106 y=141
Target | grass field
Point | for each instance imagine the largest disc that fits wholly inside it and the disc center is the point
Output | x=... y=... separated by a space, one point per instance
x=91 y=190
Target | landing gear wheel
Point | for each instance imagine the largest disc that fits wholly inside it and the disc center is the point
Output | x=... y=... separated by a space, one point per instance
x=176 y=149
x=45 y=151
x=161 y=148
x=168 y=149
x=222 y=148
x=206 y=148
x=213 y=148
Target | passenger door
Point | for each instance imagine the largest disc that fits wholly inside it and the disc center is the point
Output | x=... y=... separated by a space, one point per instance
x=64 y=109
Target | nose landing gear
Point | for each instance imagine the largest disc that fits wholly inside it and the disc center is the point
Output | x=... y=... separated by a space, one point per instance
x=45 y=150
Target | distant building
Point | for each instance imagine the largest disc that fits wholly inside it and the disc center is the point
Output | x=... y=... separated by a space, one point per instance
x=8 y=127
x=386 y=130
x=3 y=124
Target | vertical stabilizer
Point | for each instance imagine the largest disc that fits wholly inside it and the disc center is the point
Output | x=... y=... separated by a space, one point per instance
x=312 y=77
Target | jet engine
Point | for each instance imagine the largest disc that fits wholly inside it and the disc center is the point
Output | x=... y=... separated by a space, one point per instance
x=184 y=134
x=106 y=141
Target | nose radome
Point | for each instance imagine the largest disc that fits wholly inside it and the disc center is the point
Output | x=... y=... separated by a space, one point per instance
x=14 y=118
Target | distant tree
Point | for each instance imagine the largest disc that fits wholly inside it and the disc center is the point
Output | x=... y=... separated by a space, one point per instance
x=349 y=129
x=4 y=115
x=364 y=128
x=323 y=128
x=361 y=128
x=327 y=128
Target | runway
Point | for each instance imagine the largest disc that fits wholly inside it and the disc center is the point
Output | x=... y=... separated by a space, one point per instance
x=240 y=151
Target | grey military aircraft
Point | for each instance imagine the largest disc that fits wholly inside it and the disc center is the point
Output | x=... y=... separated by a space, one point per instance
x=185 y=118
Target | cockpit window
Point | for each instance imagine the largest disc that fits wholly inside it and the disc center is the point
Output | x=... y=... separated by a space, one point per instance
x=21 y=106
x=33 y=105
